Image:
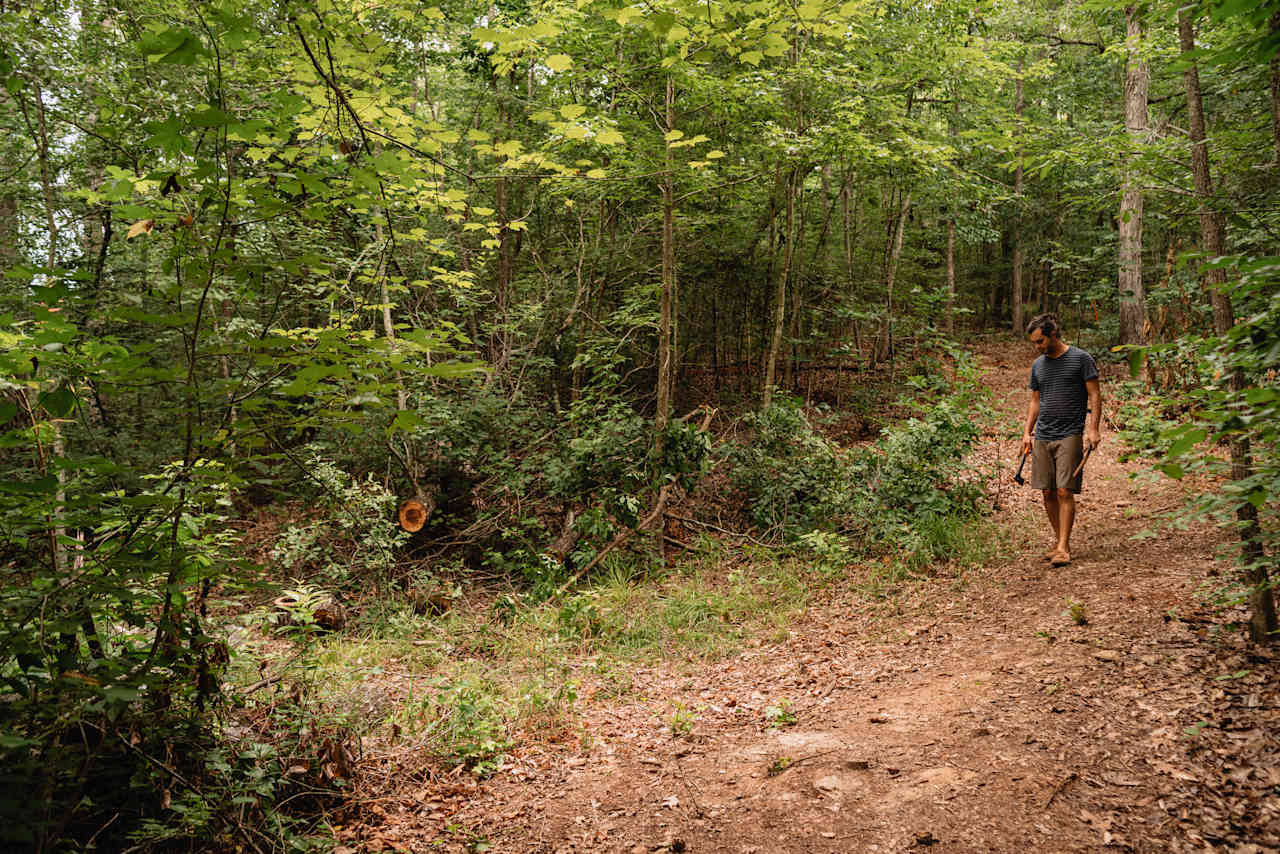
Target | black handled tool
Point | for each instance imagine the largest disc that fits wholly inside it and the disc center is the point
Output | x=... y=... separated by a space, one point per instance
x=1085 y=459
x=1017 y=478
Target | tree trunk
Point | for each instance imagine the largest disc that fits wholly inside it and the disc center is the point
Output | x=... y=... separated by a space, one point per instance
x=666 y=309
x=1263 y=622
x=797 y=302
x=951 y=276
x=780 y=291
x=1015 y=290
x=1133 y=314
x=885 y=345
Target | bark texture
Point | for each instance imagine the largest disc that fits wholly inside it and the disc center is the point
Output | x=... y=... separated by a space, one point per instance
x=1016 y=287
x=1133 y=314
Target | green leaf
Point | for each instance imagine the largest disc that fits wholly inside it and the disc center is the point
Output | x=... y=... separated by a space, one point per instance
x=1173 y=470
x=210 y=118
x=59 y=402
x=405 y=421
x=7 y=411
x=1186 y=441
x=1256 y=396
x=559 y=62
x=30 y=487
x=1137 y=357
x=751 y=57
x=177 y=46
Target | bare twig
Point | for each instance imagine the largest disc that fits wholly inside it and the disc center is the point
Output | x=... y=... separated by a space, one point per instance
x=1058 y=789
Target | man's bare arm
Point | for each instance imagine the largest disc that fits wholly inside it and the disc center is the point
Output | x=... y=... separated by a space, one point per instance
x=1028 y=430
x=1093 y=432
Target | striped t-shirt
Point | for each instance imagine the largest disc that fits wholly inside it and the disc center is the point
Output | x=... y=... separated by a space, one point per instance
x=1064 y=400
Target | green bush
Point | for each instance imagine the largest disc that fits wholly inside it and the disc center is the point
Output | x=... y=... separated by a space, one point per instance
x=905 y=492
x=354 y=539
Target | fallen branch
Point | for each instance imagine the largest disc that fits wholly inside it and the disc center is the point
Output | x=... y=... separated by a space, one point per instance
x=1058 y=790
x=664 y=495
x=715 y=527
x=261 y=683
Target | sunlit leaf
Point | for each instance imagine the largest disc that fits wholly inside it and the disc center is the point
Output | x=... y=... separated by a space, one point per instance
x=141 y=227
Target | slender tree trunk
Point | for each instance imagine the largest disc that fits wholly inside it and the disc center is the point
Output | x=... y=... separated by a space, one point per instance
x=951 y=228
x=849 y=227
x=1015 y=290
x=797 y=302
x=890 y=274
x=666 y=309
x=1133 y=314
x=951 y=275
x=1263 y=621
x=780 y=291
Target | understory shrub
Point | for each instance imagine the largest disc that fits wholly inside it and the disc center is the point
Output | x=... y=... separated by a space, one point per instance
x=351 y=539
x=905 y=492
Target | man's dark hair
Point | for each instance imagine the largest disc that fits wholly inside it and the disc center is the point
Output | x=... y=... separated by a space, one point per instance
x=1046 y=323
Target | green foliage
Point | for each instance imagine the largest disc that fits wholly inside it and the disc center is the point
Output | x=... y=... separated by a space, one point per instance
x=779 y=714
x=354 y=540
x=904 y=492
x=466 y=721
x=1235 y=408
x=791 y=476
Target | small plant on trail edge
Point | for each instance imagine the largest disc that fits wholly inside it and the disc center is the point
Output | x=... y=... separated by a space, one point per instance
x=682 y=720
x=466 y=723
x=779 y=714
x=777 y=766
x=298 y=604
x=1075 y=610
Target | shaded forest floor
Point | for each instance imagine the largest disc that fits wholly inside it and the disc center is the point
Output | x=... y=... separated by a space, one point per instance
x=970 y=712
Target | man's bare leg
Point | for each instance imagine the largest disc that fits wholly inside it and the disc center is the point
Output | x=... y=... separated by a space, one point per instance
x=1066 y=519
x=1053 y=510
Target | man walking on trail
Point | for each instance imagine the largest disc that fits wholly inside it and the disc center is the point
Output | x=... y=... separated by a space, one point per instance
x=1064 y=393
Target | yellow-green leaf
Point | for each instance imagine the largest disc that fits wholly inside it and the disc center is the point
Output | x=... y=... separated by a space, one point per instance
x=143 y=226
x=572 y=111
x=559 y=62
x=609 y=137
x=673 y=135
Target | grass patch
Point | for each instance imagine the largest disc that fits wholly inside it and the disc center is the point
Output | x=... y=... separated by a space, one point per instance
x=489 y=674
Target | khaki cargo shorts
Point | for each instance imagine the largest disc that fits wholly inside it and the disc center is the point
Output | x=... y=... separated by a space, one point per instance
x=1053 y=462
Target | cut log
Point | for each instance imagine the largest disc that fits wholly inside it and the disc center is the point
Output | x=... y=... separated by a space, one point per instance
x=413 y=515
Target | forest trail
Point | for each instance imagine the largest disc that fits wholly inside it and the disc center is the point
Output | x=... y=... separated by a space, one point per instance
x=979 y=717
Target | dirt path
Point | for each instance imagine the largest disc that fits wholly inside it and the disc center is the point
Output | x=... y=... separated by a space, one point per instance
x=986 y=719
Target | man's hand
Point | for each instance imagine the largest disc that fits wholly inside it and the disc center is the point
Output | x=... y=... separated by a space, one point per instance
x=1092 y=438
x=1027 y=442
